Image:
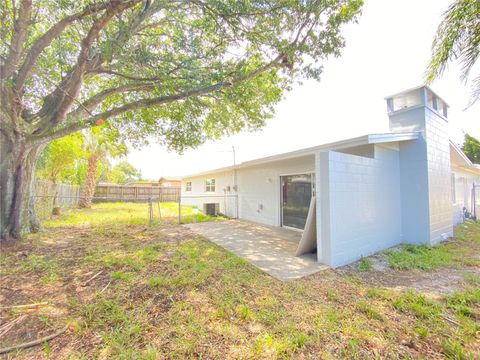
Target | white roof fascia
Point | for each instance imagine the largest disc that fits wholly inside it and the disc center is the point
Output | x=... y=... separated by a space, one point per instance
x=338 y=145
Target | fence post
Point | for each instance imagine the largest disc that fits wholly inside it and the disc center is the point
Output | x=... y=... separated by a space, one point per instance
x=179 y=210
x=150 y=211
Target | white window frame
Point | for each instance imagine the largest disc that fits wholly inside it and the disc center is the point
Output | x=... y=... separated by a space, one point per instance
x=210 y=185
x=188 y=186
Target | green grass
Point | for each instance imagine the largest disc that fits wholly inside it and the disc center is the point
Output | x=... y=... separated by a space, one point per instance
x=419 y=257
x=116 y=213
x=364 y=264
x=454 y=254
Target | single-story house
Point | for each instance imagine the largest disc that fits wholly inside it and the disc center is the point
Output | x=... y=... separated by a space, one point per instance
x=169 y=181
x=357 y=196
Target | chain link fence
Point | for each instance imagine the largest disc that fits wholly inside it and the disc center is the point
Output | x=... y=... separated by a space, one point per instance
x=146 y=205
x=51 y=198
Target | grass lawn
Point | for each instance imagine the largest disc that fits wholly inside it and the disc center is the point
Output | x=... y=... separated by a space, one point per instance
x=113 y=213
x=127 y=290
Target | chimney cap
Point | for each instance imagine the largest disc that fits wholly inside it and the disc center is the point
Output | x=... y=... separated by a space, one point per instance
x=417 y=88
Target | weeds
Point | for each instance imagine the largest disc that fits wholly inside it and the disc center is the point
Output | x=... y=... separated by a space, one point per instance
x=419 y=257
x=364 y=264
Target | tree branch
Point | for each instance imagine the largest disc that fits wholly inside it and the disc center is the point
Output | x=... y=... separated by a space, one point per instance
x=46 y=39
x=89 y=104
x=143 y=103
x=19 y=32
x=125 y=76
x=59 y=102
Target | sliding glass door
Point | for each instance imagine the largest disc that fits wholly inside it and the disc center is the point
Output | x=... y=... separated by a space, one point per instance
x=296 y=194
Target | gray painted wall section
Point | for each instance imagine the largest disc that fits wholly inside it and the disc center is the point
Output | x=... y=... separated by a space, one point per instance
x=360 y=208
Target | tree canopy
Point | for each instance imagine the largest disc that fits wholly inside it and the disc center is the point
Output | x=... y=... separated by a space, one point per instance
x=60 y=159
x=458 y=38
x=471 y=148
x=123 y=173
x=182 y=71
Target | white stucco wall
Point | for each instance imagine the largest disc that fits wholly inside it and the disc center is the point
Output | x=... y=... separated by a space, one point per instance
x=198 y=196
x=358 y=205
x=258 y=189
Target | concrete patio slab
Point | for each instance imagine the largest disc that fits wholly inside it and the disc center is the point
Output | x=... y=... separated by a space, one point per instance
x=272 y=249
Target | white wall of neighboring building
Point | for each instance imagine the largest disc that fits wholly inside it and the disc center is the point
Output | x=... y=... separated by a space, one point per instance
x=462 y=187
x=358 y=204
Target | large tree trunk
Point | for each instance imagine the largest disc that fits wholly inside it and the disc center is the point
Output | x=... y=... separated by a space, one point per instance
x=90 y=182
x=17 y=169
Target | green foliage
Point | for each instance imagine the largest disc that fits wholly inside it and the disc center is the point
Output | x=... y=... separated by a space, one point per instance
x=419 y=257
x=177 y=72
x=123 y=173
x=364 y=264
x=60 y=160
x=471 y=148
x=458 y=38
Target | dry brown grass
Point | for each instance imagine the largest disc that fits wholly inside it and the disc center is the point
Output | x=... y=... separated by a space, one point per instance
x=173 y=294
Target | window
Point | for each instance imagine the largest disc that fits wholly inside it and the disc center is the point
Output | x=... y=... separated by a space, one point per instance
x=406 y=100
x=188 y=186
x=454 y=195
x=210 y=185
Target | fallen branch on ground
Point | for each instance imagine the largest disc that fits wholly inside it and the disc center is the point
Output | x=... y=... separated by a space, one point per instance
x=6 y=327
x=26 y=306
x=105 y=288
x=92 y=278
x=454 y=322
x=34 y=342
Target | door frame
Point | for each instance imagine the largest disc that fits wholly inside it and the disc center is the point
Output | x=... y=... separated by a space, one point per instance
x=312 y=177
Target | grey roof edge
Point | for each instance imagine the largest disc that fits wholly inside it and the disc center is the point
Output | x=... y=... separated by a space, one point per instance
x=338 y=145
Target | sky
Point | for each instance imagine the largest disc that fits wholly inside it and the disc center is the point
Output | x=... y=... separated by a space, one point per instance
x=385 y=53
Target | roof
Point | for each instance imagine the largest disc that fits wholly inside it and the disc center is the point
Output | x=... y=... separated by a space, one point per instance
x=343 y=144
x=170 y=178
x=460 y=160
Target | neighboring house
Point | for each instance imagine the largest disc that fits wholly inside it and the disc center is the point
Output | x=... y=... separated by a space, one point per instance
x=372 y=192
x=170 y=181
x=142 y=183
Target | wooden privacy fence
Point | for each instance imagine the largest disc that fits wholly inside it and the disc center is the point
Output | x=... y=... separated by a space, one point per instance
x=136 y=193
x=66 y=195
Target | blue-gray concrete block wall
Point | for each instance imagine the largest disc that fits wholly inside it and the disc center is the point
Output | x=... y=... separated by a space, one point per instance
x=413 y=176
x=358 y=205
x=401 y=195
x=425 y=174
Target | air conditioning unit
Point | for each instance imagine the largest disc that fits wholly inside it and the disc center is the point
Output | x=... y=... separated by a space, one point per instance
x=211 y=209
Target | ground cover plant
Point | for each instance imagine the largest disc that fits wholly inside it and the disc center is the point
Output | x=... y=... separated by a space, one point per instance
x=126 y=290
